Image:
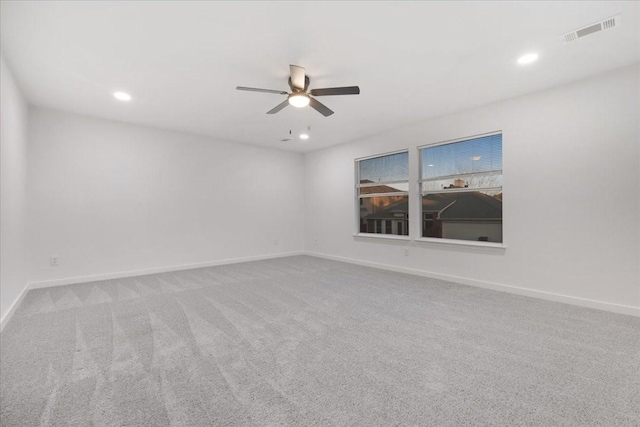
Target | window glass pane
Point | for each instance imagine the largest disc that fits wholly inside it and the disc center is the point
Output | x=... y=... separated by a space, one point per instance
x=482 y=154
x=394 y=167
x=385 y=215
x=466 y=215
x=462 y=190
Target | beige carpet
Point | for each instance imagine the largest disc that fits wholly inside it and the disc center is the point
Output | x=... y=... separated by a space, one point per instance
x=306 y=341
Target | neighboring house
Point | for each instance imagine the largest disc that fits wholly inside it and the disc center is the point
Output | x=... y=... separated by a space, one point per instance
x=392 y=220
x=466 y=215
x=372 y=206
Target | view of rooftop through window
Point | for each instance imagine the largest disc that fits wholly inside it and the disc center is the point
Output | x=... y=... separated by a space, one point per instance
x=461 y=187
x=383 y=185
x=460 y=184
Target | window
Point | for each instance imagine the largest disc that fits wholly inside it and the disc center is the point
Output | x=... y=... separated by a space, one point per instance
x=383 y=194
x=461 y=188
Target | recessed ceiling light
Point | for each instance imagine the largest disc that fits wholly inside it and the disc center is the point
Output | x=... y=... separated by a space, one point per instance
x=430 y=166
x=475 y=158
x=299 y=100
x=304 y=136
x=528 y=58
x=122 y=96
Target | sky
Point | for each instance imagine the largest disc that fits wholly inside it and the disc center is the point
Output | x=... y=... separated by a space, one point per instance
x=473 y=155
x=394 y=167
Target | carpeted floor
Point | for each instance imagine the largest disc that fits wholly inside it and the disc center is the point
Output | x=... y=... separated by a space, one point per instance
x=306 y=341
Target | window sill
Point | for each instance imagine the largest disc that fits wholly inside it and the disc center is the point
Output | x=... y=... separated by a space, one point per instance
x=471 y=243
x=428 y=241
x=382 y=236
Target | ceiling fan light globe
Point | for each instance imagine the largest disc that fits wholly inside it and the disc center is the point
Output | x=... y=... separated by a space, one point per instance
x=299 y=100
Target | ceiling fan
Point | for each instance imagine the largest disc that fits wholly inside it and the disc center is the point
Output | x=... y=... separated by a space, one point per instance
x=300 y=96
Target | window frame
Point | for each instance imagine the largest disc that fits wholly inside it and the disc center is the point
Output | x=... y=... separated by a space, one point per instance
x=358 y=198
x=420 y=193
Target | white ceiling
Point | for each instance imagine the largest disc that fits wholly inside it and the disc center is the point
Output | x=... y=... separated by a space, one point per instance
x=181 y=61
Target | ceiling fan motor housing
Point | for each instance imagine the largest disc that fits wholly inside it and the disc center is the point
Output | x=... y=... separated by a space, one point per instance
x=295 y=89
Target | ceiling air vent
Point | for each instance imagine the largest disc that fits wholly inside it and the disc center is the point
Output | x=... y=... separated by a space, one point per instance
x=594 y=28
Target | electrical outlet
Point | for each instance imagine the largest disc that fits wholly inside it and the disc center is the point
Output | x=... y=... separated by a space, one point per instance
x=315 y=241
x=275 y=242
x=406 y=251
x=53 y=261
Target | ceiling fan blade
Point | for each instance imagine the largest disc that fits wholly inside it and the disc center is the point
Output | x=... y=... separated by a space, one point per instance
x=278 y=107
x=347 y=90
x=297 y=76
x=254 y=89
x=320 y=107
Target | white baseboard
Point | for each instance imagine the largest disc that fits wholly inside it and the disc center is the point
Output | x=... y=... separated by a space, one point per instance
x=13 y=307
x=615 y=308
x=133 y=273
x=144 y=272
x=583 y=302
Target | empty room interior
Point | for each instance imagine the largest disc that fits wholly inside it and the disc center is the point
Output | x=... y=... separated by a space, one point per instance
x=320 y=213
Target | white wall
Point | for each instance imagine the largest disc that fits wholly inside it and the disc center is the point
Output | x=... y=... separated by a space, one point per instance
x=13 y=170
x=571 y=194
x=107 y=197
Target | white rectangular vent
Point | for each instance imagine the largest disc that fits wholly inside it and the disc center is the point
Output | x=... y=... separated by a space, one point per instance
x=590 y=29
